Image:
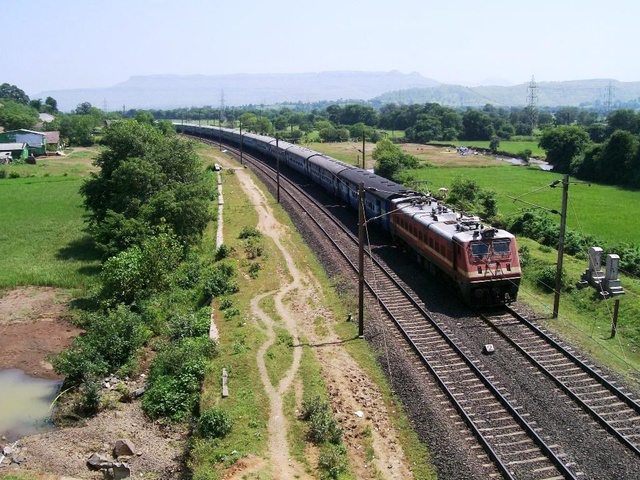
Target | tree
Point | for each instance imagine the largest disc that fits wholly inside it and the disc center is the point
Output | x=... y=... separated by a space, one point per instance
x=83 y=108
x=624 y=119
x=78 y=129
x=427 y=127
x=149 y=181
x=391 y=160
x=494 y=144
x=563 y=144
x=15 y=115
x=11 y=92
x=143 y=116
x=52 y=103
x=477 y=126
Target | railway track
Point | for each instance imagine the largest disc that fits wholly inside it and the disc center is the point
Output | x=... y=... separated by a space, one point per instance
x=614 y=410
x=509 y=438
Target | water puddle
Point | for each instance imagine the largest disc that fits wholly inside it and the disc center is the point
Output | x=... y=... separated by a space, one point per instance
x=24 y=404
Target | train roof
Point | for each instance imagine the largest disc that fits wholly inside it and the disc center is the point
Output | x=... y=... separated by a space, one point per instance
x=448 y=222
x=382 y=187
x=330 y=164
x=301 y=151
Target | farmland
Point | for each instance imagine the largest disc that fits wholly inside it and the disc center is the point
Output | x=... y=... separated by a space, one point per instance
x=42 y=219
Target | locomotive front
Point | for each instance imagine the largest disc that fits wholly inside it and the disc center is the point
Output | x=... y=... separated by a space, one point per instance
x=491 y=264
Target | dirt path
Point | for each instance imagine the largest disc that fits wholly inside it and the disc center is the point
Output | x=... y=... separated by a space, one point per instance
x=278 y=446
x=297 y=303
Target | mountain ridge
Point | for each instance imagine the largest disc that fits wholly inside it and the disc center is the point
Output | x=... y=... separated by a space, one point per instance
x=168 y=91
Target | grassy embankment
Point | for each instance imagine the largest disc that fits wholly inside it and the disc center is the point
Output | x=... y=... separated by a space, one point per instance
x=42 y=224
x=240 y=340
x=606 y=212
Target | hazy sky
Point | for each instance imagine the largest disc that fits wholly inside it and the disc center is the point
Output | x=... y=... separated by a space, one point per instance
x=50 y=45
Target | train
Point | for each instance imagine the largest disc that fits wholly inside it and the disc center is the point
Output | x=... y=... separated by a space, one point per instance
x=480 y=261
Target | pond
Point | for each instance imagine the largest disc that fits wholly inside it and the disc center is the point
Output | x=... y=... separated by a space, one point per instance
x=24 y=404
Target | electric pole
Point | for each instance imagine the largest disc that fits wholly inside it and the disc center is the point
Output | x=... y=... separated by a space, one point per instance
x=563 y=225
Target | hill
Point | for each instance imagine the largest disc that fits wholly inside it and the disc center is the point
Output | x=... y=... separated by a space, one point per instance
x=174 y=91
x=550 y=94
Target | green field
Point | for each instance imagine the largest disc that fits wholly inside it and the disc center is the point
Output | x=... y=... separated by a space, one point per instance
x=603 y=211
x=43 y=242
x=507 y=146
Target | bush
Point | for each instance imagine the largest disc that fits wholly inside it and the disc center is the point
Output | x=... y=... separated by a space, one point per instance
x=332 y=461
x=90 y=398
x=214 y=423
x=323 y=427
x=190 y=324
x=249 y=232
x=167 y=399
x=3 y=173
x=111 y=341
x=14 y=174
x=546 y=278
x=254 y=269
x=223 y=252
x=220 y=281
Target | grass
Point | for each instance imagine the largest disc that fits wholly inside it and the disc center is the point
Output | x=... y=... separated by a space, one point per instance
x=514 y=147
x=583 y=317
x=604 y=211
x=43 y=236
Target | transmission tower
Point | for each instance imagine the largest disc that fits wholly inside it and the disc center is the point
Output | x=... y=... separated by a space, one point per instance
x=532 y=103
x=609 y=99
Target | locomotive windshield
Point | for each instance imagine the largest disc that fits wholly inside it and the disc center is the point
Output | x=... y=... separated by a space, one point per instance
x=497 y=247
x=479 y=249
x=501 y=247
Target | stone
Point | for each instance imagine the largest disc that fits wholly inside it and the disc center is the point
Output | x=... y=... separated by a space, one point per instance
x=123 y=448
x=97 y=462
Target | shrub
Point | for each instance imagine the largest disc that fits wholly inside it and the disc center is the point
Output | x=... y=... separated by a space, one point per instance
x=190 y=324
x=323 y=427
x=3 y=173
x=249 y=232
x=166 y=398
x=253 y=248
x=214 y=423
x=220 y=281
x=546 y=278
x=254 y=269
x=332 y=461
x=223 y=252
x=14 y=174
x=112 y=339
x=89 y=397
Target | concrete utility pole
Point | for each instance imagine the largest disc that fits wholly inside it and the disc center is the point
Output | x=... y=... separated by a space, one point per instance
x=361 y=221
x=277 y=170
x=241 y=142
x=563 y=225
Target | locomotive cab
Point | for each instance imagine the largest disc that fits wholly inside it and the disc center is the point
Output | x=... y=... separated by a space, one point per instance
x=492 y=267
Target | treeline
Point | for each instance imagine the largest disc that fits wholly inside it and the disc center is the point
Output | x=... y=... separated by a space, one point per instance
x=605 y=152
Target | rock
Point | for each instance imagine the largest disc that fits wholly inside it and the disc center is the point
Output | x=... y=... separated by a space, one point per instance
x=123 y=447
x=139 y=391
x=6 y=451
x=98 y=462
